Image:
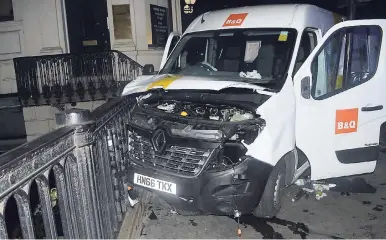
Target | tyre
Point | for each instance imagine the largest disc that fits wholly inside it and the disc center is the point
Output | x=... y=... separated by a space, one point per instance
x=271 y=200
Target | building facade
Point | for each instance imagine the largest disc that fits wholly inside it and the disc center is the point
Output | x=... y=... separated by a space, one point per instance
x=138 y=28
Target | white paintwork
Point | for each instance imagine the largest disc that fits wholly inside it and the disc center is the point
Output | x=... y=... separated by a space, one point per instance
x=315 y=120
x=167 y=47
x=268 y=16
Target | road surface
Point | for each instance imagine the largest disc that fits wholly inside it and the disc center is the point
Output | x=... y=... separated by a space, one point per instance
x=338 y=215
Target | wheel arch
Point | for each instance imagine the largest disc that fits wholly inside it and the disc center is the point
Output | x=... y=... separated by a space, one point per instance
x=294 y=159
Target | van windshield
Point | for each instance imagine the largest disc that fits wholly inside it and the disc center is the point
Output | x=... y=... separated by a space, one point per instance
x=258 y=56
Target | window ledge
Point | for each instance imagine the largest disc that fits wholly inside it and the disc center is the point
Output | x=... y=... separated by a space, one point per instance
x=9 y=26
x=124 y=45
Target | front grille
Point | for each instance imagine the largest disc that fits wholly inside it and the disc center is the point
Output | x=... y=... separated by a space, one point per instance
x=182 y=160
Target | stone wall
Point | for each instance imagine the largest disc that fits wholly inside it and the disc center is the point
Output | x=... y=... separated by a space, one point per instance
x=7 y=77
x=41 y=119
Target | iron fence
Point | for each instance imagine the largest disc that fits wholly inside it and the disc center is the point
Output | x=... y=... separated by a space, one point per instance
x=71 y=78
x=65 y=184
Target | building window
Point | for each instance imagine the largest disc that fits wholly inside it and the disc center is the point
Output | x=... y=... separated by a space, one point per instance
x=6 y=10
x=337 y=68
x=122 y=22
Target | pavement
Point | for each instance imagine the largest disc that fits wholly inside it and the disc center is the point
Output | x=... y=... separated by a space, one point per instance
x=340 y=214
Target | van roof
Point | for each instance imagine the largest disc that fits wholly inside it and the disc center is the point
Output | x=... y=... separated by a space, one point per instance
x=263 y=16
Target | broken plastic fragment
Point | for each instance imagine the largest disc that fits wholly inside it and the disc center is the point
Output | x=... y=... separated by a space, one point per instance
x=308 y=190
x=319 y=195
x=323 y=187
x=301 y=182
x=132 y=201
x=166 y=107
x=214 y=117
x=299 y=195
x=140 y=98
x=172 y=211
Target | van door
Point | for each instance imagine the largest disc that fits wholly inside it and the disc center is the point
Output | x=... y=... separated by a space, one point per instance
x=339 y=94
x=172 y=41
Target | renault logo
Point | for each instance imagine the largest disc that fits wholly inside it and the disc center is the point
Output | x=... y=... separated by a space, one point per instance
x=158 y=141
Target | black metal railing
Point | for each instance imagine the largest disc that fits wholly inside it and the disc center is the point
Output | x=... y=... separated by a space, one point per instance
x=67 y=183
x=71 y=78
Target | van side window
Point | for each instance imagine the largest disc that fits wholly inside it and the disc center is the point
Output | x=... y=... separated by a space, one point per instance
x=335 y=68
x=307 y=43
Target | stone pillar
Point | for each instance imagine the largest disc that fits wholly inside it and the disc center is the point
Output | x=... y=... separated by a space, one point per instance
x=84 y=192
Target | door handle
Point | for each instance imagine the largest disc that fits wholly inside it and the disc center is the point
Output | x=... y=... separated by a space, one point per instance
x=374 y=108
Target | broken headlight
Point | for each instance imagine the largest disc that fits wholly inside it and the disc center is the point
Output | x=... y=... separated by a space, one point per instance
x=229 y=155
x=204 y=134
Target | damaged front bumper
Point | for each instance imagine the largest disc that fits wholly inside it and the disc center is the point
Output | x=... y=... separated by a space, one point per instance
x=212 y=192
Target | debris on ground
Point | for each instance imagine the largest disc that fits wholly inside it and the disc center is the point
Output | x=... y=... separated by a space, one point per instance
x=302 y=182
x=308 y=186
x=132 y=196
x=320 y=188
x=299 y=195
x=132 y=202
x=192 y=222
x=152 y=216
x=172 y=211
x=319 y=195
x=323 y=187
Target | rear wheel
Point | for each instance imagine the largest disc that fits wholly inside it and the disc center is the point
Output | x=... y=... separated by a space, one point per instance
x=271 y=200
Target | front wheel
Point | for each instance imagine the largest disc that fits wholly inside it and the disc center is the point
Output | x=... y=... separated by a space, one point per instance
x=271 y=200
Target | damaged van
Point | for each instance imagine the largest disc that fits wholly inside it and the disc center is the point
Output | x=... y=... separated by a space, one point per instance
x=248 y=99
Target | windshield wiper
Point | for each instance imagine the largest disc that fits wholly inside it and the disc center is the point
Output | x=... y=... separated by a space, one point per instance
x=257 y=81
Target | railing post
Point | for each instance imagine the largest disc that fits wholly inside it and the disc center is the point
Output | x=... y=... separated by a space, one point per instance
x=84 y=192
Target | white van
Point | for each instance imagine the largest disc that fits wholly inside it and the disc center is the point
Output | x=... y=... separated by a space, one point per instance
x=252 y=97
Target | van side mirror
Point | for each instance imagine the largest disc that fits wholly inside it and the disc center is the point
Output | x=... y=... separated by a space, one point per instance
x=148 y=69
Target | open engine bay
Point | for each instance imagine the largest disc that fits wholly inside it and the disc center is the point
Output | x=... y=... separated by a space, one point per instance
x=222 y=113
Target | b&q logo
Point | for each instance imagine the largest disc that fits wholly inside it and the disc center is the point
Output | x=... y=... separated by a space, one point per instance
x=235 y=20
x=346 y=121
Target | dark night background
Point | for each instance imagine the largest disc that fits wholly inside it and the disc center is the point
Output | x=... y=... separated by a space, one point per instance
x=373 y=9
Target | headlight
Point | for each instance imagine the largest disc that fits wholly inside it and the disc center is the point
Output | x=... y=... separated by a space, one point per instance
x=197 y=133
x=228 y=156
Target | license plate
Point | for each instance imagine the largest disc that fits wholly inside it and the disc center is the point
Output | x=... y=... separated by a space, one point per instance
x=155 y=184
